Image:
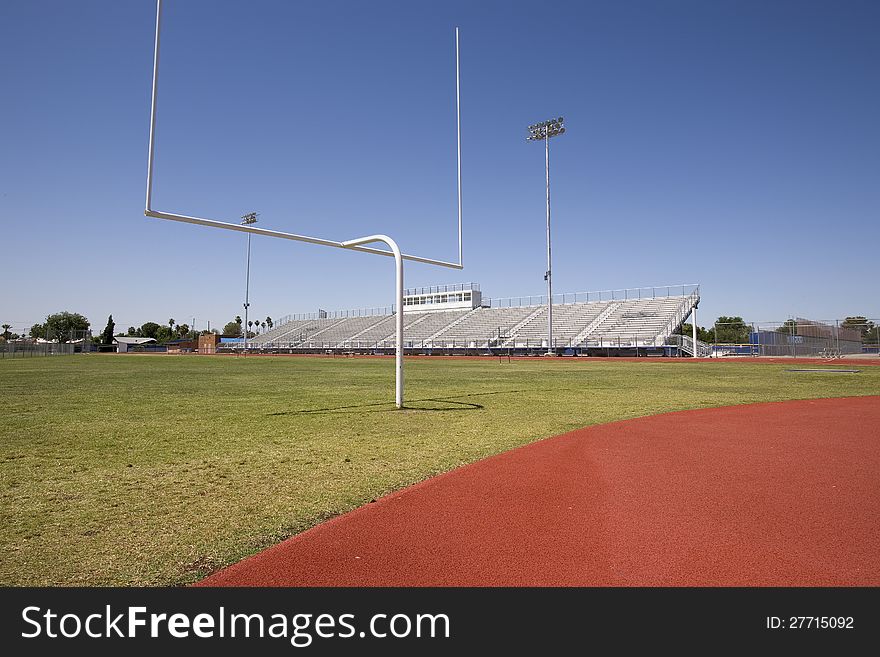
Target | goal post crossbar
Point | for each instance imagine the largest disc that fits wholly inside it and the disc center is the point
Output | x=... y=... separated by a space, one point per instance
x=213 y=223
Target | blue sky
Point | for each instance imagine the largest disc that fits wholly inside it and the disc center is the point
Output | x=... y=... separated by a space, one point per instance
x=733 y=144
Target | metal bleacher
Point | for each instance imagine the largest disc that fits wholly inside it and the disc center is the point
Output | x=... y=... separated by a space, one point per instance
x=641 y=317
x=568 y=321
x=634 y=322
x=483 y=327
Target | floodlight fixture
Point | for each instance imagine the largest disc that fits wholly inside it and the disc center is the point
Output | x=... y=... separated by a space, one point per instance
x=546 y=129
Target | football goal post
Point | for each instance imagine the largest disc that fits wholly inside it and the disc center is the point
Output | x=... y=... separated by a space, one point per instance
x=356 y=244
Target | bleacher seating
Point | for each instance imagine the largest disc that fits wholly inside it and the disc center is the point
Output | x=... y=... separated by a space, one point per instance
x=638 y=320
x=430 y=324
x=483 y=327
x=375 y=334
x=568 y=321
x=623 y=323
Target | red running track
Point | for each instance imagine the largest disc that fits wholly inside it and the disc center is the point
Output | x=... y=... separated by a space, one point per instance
x=776 y=494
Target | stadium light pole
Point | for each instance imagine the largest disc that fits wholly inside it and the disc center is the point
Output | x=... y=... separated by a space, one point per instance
x=543 y=132
x=247 y=220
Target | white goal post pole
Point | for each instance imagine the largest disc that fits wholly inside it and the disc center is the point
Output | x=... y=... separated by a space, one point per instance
x=398 y=267
x=153 y=98
x=458 y=141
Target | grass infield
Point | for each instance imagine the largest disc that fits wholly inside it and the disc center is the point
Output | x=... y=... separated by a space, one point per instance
x=157 y=470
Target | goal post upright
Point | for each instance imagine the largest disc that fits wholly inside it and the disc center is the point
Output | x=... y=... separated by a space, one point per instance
x=398 y=310
x=358 y=244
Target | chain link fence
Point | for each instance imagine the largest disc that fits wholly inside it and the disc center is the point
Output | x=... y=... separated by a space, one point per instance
x=71 y=342
x=18 y=349
x=796 y=337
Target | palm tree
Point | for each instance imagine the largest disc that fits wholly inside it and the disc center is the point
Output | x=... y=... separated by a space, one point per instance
x=171 y=325
x=263 y=325
x=269 y=323
x=238 y=319
x=6 y=333
x=250 y=325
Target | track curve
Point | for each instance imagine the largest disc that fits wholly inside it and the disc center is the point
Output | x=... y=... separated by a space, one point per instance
x=774 y=494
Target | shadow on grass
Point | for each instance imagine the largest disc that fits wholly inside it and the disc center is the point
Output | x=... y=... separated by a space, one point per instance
x=430 y=404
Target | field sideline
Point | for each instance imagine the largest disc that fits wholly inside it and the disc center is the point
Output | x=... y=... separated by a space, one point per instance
x=146 y=470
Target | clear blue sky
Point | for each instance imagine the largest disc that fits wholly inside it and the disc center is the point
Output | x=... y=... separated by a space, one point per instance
x=734 y=144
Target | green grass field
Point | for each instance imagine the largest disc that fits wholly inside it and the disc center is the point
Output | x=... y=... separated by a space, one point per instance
x=156 y=470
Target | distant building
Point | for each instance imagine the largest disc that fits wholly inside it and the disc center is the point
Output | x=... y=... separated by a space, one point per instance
x=458 y=296
x=182 y=346
x=123 y=345
x=208 y=343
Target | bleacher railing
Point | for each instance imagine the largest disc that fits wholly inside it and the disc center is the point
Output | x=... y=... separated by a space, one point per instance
x=686 y=344
x=436 y=289
x=624 y=294
x=681 y=313
x=335 y=314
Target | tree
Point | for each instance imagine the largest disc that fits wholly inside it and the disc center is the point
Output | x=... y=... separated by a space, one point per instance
x=150 y=330
x=269 y=323
x=182 y=330
x=132 y=331
x=107 y=334
x=789 y=327
x=6 y=334
x=864 y=326
x=163 y=334
x=263 y=325
x=171 y=323
x=38 y=331
x=65 y=326
x=731 y=330
x=231 y=330
x=702 y=334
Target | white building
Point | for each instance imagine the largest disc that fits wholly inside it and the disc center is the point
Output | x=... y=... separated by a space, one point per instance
x=458 y=296
x=124 y=344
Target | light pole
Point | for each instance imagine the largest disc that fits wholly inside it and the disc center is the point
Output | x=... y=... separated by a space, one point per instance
x=247 y=220
x=542 y=132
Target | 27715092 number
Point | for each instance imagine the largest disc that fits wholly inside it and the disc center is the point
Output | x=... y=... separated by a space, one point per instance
x=810 y=622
